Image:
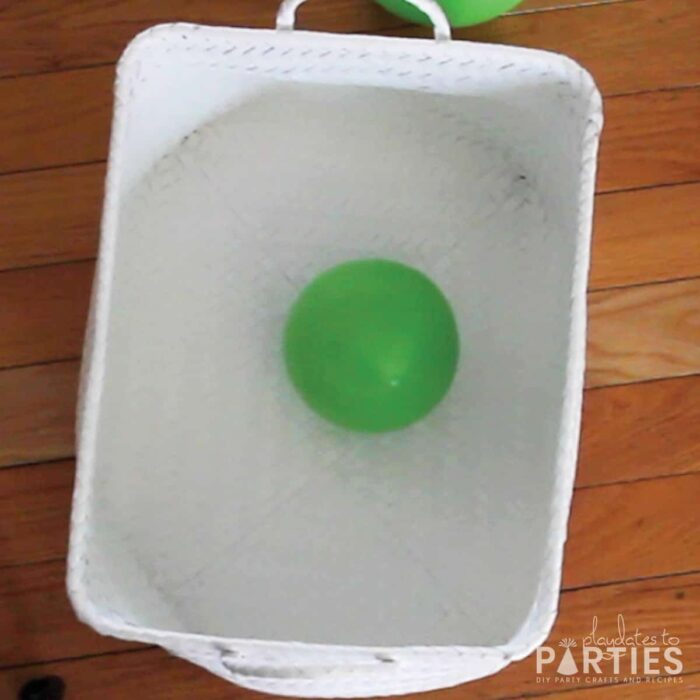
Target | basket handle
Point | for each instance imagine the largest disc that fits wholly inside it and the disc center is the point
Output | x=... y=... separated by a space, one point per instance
x=288 y=8
x=381 y=666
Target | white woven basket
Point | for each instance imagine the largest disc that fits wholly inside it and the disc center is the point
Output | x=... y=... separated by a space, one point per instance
x=214 y=515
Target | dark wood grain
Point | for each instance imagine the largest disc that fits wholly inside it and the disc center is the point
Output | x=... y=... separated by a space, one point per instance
x=143 y=674
x=55 y=119
x=43 y=312
x=50 y=216
x=50 y=35
x=37 y=412
x=34 y=512
x=94 y=31
x=37 y=620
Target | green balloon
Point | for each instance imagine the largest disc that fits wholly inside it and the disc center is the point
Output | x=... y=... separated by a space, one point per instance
x=460 y=13
x=371 y=345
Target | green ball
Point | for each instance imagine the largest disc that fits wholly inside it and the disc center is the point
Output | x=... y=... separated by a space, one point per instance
x=460 y=13
x=371 y=345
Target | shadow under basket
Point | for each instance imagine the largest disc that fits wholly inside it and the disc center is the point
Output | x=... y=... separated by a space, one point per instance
x=214 y=513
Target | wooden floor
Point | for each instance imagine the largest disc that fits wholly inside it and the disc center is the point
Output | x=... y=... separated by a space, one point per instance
x=634 y=543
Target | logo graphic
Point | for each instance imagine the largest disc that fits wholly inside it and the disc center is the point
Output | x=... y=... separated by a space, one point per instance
x=567 y=665
x=626 y=657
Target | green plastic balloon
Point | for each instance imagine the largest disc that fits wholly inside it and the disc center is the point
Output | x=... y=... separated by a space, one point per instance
x=371 y=345
x=460 y=13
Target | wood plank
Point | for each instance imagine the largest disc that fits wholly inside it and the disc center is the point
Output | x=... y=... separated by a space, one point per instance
x=37 y=412
x=528 y=6
x=43 y=312
x=629 y=432
x=610 y=41
x=680 y=688
x=50 y=216
x=646 y=135
x=646 y=236
x=641 y=333
x=617 y=531
x=635 y=333
x=37 y=620
x=55 y=119
x=96 y=32
x=75 y=129
x=640 y=431
x=671 y=603
x=611 y=528
x=684 y=688
x=143 y=674
x=34 y=512
x=632 y=244
x=633 y=530
x=653 y=153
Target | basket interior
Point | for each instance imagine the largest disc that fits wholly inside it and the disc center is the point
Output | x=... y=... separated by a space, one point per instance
x=221 y=505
